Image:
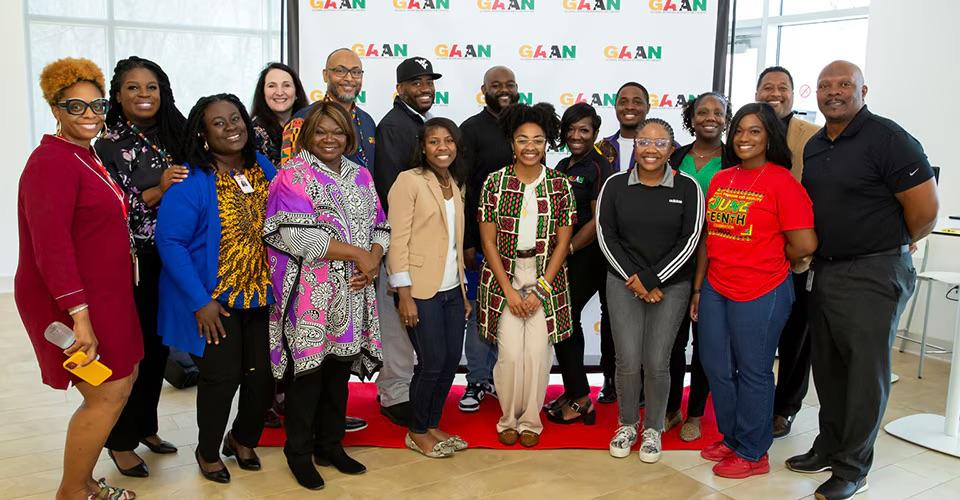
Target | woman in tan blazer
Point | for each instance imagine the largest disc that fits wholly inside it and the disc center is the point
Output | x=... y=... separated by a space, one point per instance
x=425 y=265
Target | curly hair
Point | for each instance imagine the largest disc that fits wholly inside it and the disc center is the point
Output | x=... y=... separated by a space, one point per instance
x=419 y=159
x=194 y=134
x=777 y=150
x=542 y=114
x=62 y=73
x=170 y=121
x=262 y=112
x=657 y=121
x=690 y=108
x=575 y=113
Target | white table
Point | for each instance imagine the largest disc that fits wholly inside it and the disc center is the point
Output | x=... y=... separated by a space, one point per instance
x=937 y=432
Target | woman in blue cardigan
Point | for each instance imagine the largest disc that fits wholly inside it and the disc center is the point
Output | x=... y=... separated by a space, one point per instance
x=215 y=284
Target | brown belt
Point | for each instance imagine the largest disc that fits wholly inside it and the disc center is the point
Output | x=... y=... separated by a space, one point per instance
x=525 y=254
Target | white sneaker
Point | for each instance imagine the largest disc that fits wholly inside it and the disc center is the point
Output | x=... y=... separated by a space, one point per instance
x=650 y=448
x=623 y=441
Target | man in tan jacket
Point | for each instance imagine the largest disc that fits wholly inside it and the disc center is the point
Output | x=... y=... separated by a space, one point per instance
x=775 y=87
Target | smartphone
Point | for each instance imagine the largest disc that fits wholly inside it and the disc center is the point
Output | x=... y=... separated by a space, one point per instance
x=94 y=373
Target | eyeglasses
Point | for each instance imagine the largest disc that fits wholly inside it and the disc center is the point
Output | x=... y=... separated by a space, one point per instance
x=536 y=142
x=79 y=106
x=342 y=71
x=643 y=142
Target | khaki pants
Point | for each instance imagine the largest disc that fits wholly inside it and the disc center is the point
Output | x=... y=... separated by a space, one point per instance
x=523 y=363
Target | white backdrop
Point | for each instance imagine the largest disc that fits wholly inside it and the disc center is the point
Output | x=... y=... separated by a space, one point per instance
x=562 y=52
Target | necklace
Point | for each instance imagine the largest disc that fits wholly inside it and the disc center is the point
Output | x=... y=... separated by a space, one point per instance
x=143 y=137
x=755 y=179
x=704 y=155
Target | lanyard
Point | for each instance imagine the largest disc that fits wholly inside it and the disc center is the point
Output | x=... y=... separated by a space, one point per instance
x=160 y=151
x=104 y=176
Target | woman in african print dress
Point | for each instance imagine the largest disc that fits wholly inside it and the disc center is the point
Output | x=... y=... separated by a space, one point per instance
x=326 y=234
x=215 y=283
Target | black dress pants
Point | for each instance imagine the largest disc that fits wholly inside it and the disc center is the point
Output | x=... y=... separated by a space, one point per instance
x=316 y=404
x=241 y=360
x=699 y=386
x=793 y=371
x=139 y=417
x=855 y=308
x=586 y=276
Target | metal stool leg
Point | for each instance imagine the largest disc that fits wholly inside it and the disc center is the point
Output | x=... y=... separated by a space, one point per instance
x=923 y=333
x=913 y=299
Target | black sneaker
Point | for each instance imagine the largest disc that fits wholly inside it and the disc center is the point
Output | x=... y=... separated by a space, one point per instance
x=354 y=424
x=837 y=488
x=472 y=396
x=808 y=463
x=608 y=393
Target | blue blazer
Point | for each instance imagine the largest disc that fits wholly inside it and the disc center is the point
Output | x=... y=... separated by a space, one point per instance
x=188 y=240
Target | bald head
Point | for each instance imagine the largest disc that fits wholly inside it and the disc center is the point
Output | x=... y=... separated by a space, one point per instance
x=840 y=93
x=343 y=75
x=499 y=88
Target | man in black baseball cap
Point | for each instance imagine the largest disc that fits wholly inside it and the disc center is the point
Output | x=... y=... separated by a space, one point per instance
x=396 y=142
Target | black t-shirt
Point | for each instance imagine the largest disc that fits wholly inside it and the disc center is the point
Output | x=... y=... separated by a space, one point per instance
x=853 y=180
x=486 y=149
x=586 y=177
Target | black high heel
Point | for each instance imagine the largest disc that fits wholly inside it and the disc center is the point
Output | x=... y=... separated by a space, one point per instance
x=218 y=476
x=586 y=414
x=139 y=470
x=163 y=447
x=244 y=463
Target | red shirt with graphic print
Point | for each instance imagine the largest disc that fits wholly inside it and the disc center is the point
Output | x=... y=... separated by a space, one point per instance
x=748 y=211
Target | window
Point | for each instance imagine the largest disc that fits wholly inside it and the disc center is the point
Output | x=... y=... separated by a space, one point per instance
x=203 y=47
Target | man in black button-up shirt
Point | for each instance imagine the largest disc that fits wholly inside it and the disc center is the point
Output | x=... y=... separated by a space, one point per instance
x=873 y=198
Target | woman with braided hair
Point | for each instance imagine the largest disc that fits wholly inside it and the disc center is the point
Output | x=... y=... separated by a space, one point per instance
x=142 y=150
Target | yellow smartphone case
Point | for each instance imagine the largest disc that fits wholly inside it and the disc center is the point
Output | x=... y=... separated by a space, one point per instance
x=94 y=373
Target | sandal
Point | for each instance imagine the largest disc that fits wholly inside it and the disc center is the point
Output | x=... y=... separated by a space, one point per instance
x=555 y=405
x=440 y=450
x=585 y=413
x=108 y=492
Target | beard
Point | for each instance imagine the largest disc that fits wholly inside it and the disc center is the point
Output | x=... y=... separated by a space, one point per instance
x=343 y=97
x=493 y=101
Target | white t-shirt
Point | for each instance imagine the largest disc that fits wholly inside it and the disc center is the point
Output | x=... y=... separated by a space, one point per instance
x=527 y=234
x=626 y=152
x=451 y=275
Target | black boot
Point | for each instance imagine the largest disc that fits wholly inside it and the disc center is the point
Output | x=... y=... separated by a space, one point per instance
x=306 y=474
x=608 y=393
x=338 y=458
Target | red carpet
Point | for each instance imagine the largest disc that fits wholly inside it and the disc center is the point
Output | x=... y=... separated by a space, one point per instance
x=479 y=428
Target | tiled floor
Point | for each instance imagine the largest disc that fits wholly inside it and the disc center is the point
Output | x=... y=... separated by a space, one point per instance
x=33 y=419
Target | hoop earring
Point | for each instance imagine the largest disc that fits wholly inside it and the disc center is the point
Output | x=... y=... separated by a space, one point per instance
x=206 y=147
x=59 y=132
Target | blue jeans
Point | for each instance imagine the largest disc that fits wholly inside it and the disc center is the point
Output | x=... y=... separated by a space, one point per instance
x=438 y=342
x=481 y=355
x=738 y=341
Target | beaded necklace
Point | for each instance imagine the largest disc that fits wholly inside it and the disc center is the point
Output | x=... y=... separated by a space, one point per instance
x=160 y=151
x=362 y=155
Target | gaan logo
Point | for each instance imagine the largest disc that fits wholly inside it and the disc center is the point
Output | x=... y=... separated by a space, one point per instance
x=548 y=51
x=674 y=6
x=633 y=53
x=504 y=5
x=591 y=5
x=318 y=95
x=608 y=100
x=462 y=51
x=421 y=4
x=525 y=98
x=338 y=4
x=386 y=50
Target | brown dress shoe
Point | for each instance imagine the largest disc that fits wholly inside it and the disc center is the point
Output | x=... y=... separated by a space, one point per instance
x=529 y=439
x=781 y=425
x=508 y=437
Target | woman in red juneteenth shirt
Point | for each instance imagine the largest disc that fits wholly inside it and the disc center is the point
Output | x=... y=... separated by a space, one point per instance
x=759 y=220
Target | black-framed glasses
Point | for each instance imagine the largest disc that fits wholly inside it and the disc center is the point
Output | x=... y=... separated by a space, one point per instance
x=79 y=106
x=342 y=71
x=658 y=143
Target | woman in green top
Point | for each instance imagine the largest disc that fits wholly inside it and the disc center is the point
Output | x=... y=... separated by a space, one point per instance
x=706 y=117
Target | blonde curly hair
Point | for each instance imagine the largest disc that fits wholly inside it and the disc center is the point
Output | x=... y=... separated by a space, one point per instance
x=62 y=73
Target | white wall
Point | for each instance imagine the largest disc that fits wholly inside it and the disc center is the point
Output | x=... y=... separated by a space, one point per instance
x=911 y=75
x=14 y=134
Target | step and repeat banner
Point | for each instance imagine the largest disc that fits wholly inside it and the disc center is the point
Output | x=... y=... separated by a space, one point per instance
x=562 y=52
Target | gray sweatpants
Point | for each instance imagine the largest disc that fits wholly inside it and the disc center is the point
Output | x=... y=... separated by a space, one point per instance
x=643 y=335
x=393 y=382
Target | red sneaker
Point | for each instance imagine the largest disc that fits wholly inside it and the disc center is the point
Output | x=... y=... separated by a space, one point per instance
x=735 y=467
x=716 y=452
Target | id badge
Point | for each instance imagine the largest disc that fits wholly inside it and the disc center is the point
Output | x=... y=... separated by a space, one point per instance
x=244 y=184
x=809 y=286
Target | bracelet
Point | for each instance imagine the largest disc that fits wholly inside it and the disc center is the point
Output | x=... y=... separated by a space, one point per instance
x=546 y=286
x=536 y=291
x=543 y=292
x=571 y=248
x=75 y=309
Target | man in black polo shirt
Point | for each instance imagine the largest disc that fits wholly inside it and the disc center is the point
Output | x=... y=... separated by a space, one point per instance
x=873 y=198
x=485 y=150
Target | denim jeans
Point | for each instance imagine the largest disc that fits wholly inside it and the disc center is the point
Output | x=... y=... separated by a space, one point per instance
x=738 y=341
x=438 y=342
x=481 y=355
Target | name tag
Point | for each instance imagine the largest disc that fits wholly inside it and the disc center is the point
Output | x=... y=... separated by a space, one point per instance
x=244 y=184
